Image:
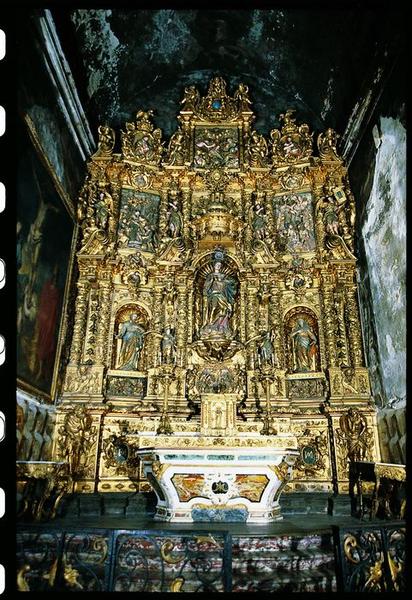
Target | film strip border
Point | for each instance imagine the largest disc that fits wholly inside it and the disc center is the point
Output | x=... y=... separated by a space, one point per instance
x=6 y=293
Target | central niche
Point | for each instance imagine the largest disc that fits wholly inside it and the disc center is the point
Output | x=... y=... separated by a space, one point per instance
x=216 y=306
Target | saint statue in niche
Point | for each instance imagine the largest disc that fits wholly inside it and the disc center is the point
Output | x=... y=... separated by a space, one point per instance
x=259 y=221
x=175 y=220
x=304 y=344
x=219 y=292
x=168 y=346
x=131 y=334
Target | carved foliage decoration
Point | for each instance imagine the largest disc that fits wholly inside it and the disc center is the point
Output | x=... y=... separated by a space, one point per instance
x=216 y=105
x=119 y=455
x=126 y=386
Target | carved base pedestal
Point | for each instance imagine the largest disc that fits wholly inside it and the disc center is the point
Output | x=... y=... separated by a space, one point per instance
x=218 y=484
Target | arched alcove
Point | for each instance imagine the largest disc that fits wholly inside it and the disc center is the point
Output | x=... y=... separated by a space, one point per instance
x=302 y=340
x=131 y=324
x=216 y=294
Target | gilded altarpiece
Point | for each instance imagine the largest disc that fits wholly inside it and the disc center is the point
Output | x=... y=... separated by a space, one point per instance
x=217 y=300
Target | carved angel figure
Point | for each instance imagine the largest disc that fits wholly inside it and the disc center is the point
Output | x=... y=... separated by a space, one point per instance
x=190 y=98
x=106 y=141
x=242 y=96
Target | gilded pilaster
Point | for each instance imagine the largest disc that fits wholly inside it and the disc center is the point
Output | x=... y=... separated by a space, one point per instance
x=83 y=289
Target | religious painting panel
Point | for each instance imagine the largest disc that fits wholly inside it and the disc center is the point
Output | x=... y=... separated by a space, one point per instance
x=216 y=147
x=138 y=222
x=131 y=327
x=302 y=340
x=294 y=222
x=44 y=238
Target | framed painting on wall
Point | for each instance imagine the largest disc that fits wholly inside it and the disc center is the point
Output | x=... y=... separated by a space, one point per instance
x=45 y=237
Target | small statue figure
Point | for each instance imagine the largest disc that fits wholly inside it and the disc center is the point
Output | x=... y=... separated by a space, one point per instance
x=176 y=149
x=103 y=209
x=242 y=96
x=175 y=220
x=266 y=352
x=191 y=98
x=353 y=425
x=259 y=220
x=258 y=149
x=330 y=217
x=168 y=347
x=288 y=120
x=106 y=141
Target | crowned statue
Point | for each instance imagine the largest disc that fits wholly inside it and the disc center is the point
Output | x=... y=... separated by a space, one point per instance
x=219 y=291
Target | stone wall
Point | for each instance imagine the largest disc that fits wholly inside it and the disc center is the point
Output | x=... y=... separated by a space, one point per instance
x=378 y=174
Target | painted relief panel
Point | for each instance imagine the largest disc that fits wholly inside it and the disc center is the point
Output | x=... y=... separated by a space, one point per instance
x=126 y=386
x=216 y=147
x=138 y=223
x=188 y=485
x=44 y=236
x=294 y=222
x=251 y=486
x=211 y=381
